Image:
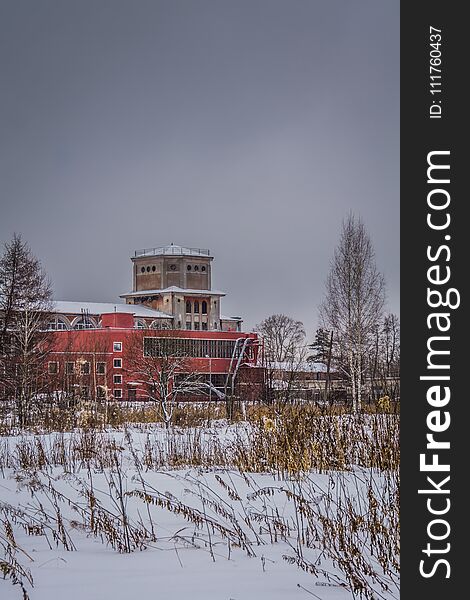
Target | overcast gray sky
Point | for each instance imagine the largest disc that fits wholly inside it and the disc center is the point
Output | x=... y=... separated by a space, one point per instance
x=250 y=127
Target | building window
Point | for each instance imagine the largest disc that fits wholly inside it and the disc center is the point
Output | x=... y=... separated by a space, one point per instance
x=188 y=306
x=57 y=324
x=117 y=346
x=203 y=268
x=100 y=392
x=142 y=270
x=84 y=323
x=117 y=363
x=179 y=324
x=196 y=326
x=100 y=368
x=131 y=394
x=215 y=325
x=69 y=368
x=139 y=324
x=204 y=326
x=117 y=393
x=84 y=392
x=196 y=268
x=204 y=307
x=196 y=307
x=154 y=268
x=188 y=324
x=148 y=269
x=53 y=368
x=188 y=267
x=117 y=379
x=85 y=368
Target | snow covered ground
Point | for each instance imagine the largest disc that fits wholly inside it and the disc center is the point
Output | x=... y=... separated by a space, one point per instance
x=194 y=533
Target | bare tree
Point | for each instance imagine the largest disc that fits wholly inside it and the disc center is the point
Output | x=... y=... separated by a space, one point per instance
x=384 y=368
x=284 y=353
x=25 y=303
x=354 y=302
x=156 y=361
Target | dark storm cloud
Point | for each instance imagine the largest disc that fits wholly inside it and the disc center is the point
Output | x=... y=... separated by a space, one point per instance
x=248 y=127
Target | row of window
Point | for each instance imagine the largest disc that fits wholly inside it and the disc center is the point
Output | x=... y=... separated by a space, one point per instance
x=153 y=268
x=159 y=347
x=82 y=367
x=217 y=380
x=196 y=325
x=84 y=392
x=60 y=324
x=193 y=307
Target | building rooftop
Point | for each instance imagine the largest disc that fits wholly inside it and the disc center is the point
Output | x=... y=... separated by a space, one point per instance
x=173 y=290
x=172 y=250
x=100 y=308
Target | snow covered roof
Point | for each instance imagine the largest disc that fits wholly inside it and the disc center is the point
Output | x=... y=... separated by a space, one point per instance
x=222 y=318
x=99 y=308
x=174 y=290
x=172 y=249
x=305 y=367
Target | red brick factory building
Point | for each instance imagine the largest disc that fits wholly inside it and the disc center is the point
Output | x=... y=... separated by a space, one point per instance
x=105 y=349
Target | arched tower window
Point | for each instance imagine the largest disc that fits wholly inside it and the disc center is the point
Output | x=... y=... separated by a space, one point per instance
x=188 y=306
x=196 y=306
x=204 y=307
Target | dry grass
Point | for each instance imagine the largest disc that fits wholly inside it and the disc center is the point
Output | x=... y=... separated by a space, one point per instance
x=346 y=532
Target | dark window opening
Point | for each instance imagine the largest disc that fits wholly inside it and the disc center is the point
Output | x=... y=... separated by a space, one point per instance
x=85 y=368
x=53 y=368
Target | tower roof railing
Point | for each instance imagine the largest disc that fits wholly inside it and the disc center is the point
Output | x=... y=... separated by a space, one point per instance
x=172 y=250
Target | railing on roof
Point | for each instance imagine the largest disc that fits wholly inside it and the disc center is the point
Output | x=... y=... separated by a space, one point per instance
x=172 y=250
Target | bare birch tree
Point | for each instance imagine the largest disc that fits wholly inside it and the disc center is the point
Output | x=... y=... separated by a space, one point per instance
x=284 y=352
x=25 y=303
x=354 y=303
x=385 y=369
